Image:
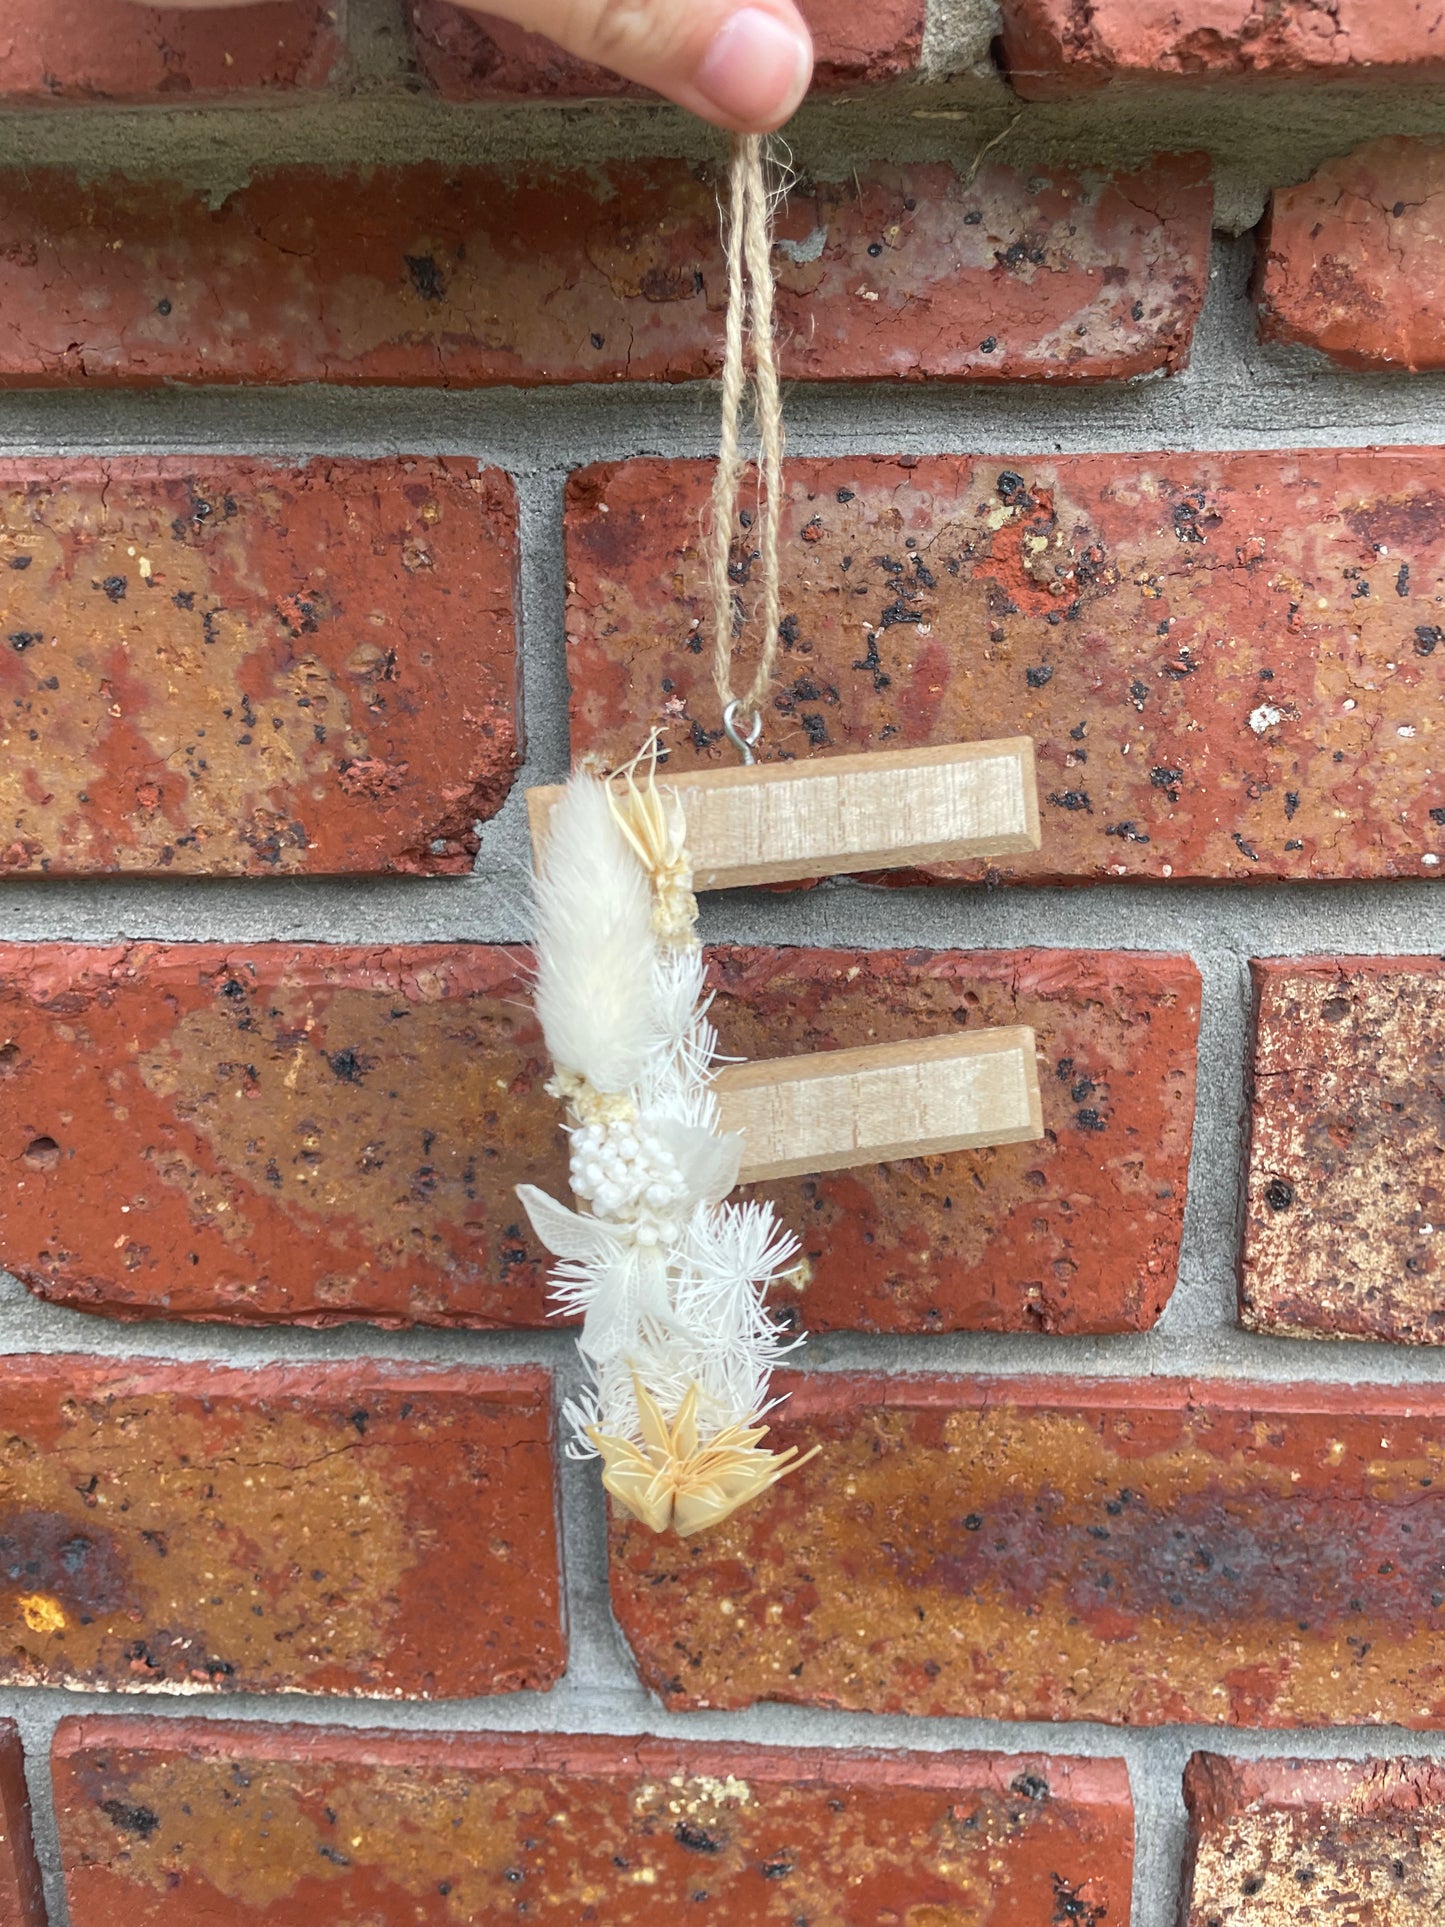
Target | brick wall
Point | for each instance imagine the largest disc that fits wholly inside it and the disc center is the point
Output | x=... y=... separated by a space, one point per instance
x=353 y=432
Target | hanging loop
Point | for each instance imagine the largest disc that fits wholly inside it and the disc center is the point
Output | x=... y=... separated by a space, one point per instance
x=749 y=375
x=744 y=745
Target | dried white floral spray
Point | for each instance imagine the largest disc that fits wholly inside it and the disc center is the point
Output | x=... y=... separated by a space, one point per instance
x=668 y=1277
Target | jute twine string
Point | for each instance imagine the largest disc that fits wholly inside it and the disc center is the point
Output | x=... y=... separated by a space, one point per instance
x=748 y=244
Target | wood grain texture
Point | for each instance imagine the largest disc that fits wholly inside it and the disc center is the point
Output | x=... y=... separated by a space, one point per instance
x=840 y=815
x=801 y=1115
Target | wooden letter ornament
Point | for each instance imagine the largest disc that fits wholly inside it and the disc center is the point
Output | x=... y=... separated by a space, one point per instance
x=836 y=815
x=799 y=1115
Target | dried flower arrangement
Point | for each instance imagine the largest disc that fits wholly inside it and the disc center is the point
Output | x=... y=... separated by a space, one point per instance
x=668 y=1277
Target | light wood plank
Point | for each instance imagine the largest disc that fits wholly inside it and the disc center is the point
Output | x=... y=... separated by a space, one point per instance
x=824 y=1112
x=841 y=815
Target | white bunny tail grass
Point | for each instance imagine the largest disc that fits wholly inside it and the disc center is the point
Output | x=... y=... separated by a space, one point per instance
x=668 y=1278
x=595 y=946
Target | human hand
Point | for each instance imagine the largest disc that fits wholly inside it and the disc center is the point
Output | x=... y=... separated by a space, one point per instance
x=742 y=66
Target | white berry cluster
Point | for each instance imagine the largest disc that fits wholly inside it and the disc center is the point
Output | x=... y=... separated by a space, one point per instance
x=628 y=1176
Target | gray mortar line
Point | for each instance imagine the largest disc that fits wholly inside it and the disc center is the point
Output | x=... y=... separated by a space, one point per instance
x=1278 y=133
x=1390 y=916
x=1222 y=1354
x=379 y=46
x=1274 y=404
x=958 y=38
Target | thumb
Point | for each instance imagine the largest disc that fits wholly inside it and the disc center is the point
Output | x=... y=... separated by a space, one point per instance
x=743 y=66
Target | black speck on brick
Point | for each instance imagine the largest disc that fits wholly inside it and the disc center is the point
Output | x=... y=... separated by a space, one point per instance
x=872 y=661
x=1030 y=1786
x=1036 y=678
x=425 y=276
x=131 y=1819
x=1071 y=800
x=695 y=1839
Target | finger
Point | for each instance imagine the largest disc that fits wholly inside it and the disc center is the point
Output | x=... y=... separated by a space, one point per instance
x=742 y=66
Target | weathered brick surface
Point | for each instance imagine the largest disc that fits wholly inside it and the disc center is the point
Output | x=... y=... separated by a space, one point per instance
x=1350 y=262
x=1345 y=1213
x=163 y=1824
x=1056 y=48
x=1314 y=1843
x=22 y=1902
x=467 y=56
x=110 y=50
x=297 y=1132
x=312 y=1133
x=458 y=277
x=1079 y=1232
x=218 y=666
x=1232 y=665
x=1142 y=1551
x=354 y=1528
x=286 y=1132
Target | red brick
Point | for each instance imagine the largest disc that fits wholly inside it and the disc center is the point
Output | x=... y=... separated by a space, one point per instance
x=1141 y=1551
x=263 y=1826
x=110 y=50
x=1310 y=1843
x=1351 y=258
x=465 y=277
x=1345 y=1212
x=354 y=1528
x=310 y=1134
x=22 y=1902
x=1228 y=663
x=1056 y=48
x=470 y=56
x=301 y=1133
x=1077 y=1233
x=224 y=667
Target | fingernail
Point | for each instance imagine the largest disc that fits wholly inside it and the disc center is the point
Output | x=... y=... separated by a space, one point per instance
x=756 y=70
